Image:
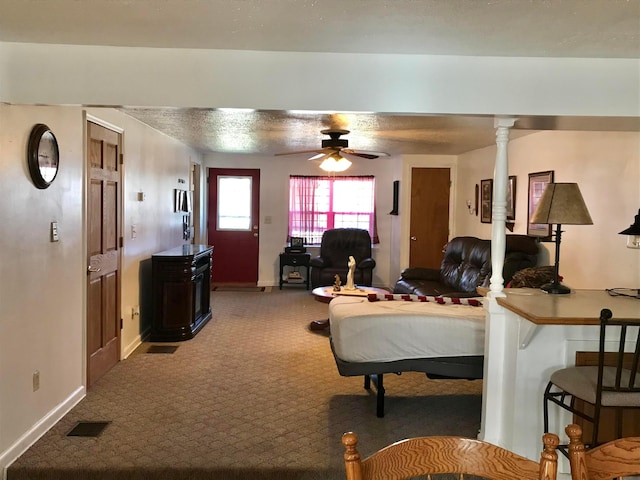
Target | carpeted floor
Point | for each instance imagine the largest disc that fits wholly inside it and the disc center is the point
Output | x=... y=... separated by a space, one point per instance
x=255 y=395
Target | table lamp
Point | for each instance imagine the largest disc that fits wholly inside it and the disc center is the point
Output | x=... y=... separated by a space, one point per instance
x=561 y=203
x=633 y=232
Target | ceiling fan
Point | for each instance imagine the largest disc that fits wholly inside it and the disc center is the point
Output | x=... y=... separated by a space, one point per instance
x=335 y=154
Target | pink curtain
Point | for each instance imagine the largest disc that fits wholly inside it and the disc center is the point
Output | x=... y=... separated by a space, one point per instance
x=313 y=207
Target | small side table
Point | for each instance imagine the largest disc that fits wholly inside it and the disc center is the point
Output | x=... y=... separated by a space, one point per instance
x=295 y=260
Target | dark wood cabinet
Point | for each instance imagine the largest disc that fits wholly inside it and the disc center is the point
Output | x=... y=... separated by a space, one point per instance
x=181 y=286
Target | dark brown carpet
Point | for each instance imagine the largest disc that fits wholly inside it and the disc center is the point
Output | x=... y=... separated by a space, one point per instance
x=255 y=395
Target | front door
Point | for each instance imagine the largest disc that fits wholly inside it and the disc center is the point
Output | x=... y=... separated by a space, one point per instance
x=430 y=189
x=234 y=215
x=104 y=212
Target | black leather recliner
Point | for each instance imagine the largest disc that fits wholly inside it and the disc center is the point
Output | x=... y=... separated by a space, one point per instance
x=335 y=248
x=467 y=265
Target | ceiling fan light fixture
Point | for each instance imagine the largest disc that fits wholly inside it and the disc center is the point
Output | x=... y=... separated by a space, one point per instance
x=332 y=164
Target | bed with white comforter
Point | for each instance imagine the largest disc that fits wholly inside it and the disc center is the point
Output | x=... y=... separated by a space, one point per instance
x=371 y=338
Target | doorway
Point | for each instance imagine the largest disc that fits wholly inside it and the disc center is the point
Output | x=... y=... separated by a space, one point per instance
x=233 y=225
x=429 y=217
x=104 y=214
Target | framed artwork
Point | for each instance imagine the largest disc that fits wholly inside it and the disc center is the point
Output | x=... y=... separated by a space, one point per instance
x=486 y=199
x=537 y=183
x=511 y=198
x=297 y=242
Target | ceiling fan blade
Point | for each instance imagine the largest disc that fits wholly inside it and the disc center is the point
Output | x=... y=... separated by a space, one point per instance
x=315 y=150
x=321 y=156
x=364 y=153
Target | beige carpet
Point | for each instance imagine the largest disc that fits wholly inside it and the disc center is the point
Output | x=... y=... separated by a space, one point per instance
x=255 y=395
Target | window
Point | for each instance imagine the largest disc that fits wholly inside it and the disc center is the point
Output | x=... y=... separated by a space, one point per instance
x=317 y=204
x=234 y=203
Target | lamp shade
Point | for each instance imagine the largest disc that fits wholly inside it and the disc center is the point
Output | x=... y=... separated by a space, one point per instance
x=633 y=229
x=562 y=203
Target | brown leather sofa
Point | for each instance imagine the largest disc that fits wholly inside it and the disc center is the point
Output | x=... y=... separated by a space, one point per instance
x=335 y=248
x=467 y=265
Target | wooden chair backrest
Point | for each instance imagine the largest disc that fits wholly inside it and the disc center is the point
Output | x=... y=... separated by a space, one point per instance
x=617 y=458
x=448 y=455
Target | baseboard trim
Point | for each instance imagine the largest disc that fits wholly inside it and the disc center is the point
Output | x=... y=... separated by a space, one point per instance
x=39 y=429
x=137 y=341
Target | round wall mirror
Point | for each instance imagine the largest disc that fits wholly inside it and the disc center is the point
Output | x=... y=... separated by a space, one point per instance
x=42 y=155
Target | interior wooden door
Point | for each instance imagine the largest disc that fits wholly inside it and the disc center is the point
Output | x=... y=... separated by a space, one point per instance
x=104 y=212
x=233 y=225
x=429 y=218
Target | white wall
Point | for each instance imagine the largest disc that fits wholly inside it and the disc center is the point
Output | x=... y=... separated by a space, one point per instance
x=293 y=80
x=606 y=166
x=274 y=203
x=42 y=289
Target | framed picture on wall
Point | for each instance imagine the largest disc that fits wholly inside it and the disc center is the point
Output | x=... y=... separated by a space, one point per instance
x=486 y=199
x=537 y=183
x=511 y=198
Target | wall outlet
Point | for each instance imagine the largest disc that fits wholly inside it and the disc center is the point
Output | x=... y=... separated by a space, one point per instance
x=36 y=380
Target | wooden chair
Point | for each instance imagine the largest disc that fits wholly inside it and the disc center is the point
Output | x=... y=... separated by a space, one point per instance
x=613 y=383
x=448 y=455
x=618 y=458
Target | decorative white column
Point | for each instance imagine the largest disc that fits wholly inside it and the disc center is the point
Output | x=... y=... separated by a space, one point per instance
x=499 y=209
x=497 y=419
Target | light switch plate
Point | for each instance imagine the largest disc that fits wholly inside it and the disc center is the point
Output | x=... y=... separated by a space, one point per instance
x=54 y=232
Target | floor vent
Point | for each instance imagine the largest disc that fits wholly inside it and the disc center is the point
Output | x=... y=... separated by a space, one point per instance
x=162 y=349
x=87 y=429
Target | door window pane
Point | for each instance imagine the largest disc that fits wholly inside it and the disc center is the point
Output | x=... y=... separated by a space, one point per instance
x=234 y=203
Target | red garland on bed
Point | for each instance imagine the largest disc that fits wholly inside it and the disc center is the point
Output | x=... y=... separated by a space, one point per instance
x=376 y=297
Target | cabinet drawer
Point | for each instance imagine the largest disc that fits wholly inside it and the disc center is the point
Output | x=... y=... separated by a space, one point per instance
x=288 y=259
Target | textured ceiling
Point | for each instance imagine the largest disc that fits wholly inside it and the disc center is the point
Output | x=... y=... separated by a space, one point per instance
x=557 y=28
x=551 y=28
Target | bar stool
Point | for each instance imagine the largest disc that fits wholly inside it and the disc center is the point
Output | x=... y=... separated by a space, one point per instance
x=613 y=383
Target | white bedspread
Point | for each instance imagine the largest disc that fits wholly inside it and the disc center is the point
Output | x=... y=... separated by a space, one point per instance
x=364 y=331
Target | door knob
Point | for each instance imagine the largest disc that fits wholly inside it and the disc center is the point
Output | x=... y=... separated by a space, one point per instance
x=91 y=269
x=414 y=238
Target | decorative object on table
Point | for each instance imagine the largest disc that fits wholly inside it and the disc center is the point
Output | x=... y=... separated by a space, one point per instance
x=537 y=183
x=633 y=232
x=43 y=156
x=533 y=277
x=352 y=266
x=486 y=200
x=561 y=203
x=511 y=198
x=296 y=245
x=337 y=284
